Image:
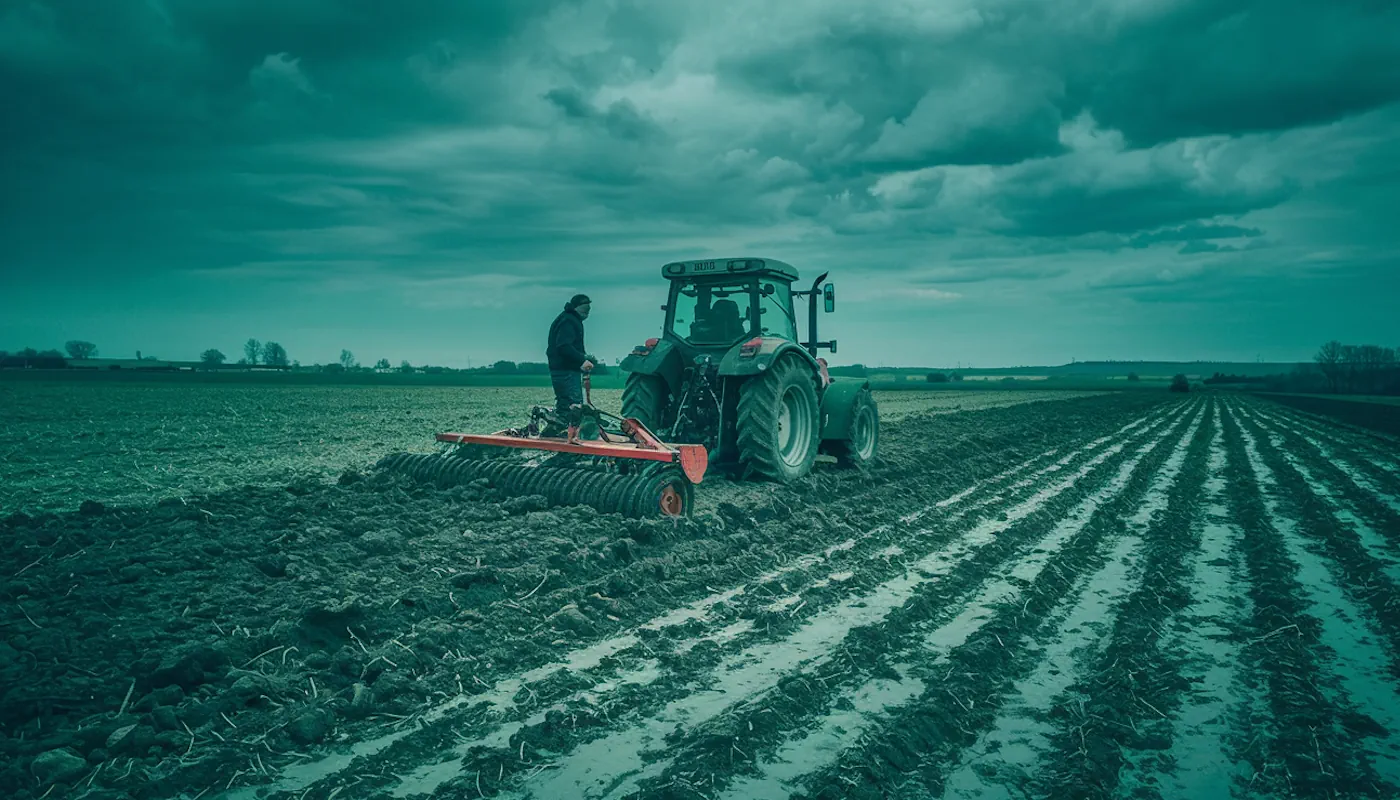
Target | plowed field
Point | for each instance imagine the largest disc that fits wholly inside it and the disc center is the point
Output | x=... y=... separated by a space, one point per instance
x=1127 y=595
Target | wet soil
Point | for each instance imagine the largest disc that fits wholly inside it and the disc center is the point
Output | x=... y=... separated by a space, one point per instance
x=1377 y=418
x=1077 y=598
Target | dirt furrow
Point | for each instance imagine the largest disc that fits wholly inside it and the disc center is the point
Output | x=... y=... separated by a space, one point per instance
x=1298 y=650
x=1383 y=444
x=1357 y=573
x=622 y=663
x=811 y=744
x=1218 y=712
x=963 y=667
x=785 y=594
x=614 y=762
x=1345 y=504
x=1379 y=464
x=1114 y=722
x=1012 y=753
x=1379 y=507
x=705 y=620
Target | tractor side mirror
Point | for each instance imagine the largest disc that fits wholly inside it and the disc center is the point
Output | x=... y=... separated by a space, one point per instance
x=833 y=347
x=829 y=294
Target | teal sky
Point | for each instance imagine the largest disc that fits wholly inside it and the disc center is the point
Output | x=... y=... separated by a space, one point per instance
x=996 y=183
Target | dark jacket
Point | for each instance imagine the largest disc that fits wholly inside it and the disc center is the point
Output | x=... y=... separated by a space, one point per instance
x=566 y=351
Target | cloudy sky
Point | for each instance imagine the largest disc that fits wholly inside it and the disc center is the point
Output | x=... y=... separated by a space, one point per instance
x=997 y=183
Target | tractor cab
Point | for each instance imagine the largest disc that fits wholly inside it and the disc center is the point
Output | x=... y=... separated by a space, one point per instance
x=715 y=305
x=731 y=372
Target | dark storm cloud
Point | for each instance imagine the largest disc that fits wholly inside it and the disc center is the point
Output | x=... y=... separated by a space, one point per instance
x=144 y=125
x=1091 y=147
x=619 y=119
x=924 y=96
x=1157 y=71
x=1201 y=68
x=1192 y=232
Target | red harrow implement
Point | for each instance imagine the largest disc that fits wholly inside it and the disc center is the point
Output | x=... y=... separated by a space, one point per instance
x=626 y=469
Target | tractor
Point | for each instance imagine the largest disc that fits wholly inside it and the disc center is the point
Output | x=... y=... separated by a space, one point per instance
x=726 y=384
x=729 y=372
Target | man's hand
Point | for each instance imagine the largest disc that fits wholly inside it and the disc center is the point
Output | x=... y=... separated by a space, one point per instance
x=587 y=366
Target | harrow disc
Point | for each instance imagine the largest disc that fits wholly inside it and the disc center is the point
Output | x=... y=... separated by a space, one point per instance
x=659 y=491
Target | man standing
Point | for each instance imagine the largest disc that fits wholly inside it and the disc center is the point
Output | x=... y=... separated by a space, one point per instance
x=568 y=359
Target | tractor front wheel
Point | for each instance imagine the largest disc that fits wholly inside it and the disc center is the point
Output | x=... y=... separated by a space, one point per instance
x=644 y=399
x=779 y=422
x=863 y=439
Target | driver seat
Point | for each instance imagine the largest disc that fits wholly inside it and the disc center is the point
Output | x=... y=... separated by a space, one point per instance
x=725 y=321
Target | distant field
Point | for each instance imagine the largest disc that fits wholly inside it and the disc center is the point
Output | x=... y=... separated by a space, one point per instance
x=1378 y=414
x=880 y=378
x=895 y=406
x=612 y=380
x=133 y=441
x=1385 y=400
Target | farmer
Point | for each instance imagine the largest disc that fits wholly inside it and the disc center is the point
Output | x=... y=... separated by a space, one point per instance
x=567 y=358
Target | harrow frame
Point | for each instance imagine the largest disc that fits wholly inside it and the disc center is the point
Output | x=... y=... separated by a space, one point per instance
x=643 y=445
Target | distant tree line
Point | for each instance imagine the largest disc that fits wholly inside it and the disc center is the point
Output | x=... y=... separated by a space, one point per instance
x=1336 y=368
x=270 y=354
x=1358 y=369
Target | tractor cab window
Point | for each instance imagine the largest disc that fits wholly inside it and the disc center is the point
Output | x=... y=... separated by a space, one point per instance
x=712 y=314
x=775 y=310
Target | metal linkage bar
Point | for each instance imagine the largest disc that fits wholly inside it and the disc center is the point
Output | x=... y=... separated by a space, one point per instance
x=692 y=458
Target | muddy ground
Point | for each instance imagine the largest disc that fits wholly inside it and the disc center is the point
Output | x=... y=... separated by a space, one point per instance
x=1378 y=421
x=134 y=442
x=1116 y=596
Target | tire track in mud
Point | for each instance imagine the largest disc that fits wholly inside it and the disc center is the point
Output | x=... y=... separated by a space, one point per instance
x=626 y=661
x=1346 y=581
x=1112 y=725
x=1008 y=752
x=1374 y=524
x=1361 y=576
x=609 y=763
x=1381 y=504
x=913 y=635
x=1379 y=443
x=1209 y=730
x=1311 y=663
x=1378 y=462
x=882 y=651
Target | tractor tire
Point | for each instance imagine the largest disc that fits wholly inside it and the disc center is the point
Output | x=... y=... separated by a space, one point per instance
x=863 y=441
x=644 y=399
x=779 y=422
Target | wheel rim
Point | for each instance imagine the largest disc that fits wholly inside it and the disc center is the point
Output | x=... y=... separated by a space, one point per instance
x=672 y=504
x=794 y=428
x=863 y=434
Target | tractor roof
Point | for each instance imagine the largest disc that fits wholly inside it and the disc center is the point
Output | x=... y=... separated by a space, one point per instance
x=741 y=265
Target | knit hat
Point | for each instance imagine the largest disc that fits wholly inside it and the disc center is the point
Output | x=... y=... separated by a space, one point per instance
x=578 y=300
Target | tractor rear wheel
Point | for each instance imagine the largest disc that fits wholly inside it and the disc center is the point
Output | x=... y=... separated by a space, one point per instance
x=779 y=422
x=863 y=439
x=644 y=399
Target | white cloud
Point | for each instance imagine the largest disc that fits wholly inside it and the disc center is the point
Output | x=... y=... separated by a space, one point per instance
x=917 y=295
x=985 y=101
x=281 y=69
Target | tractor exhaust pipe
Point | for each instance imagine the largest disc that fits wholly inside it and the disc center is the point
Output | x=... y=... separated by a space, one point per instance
x=812 y=344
